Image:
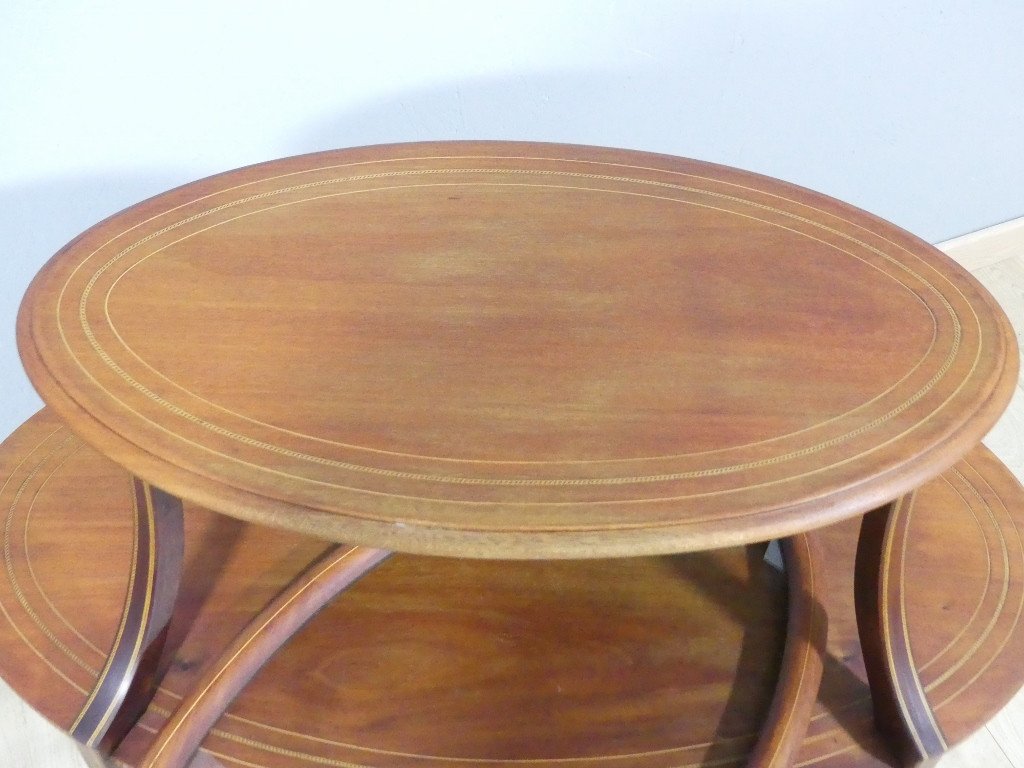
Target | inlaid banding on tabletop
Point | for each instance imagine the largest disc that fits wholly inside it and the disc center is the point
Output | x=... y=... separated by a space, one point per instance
x=473 y=341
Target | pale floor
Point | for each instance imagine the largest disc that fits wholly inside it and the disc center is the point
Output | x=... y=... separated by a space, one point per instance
x=28 y=741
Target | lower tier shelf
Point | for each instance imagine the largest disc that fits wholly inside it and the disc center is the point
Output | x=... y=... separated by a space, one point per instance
x=659 y=662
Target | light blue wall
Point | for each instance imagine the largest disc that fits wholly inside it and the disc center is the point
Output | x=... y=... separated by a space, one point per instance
x=914 y=111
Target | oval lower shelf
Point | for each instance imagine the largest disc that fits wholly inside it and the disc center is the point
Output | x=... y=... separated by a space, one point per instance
x=656 y=661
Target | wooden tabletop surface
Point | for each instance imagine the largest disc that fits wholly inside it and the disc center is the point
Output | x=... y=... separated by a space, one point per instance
x=517 y=350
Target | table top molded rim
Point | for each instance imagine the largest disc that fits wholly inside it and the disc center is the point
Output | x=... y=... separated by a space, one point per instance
x=535 y=525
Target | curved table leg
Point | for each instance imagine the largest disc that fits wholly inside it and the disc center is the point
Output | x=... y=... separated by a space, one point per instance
x=802 y=661
x=137 y=660
x=902 y=713
x=182 y=734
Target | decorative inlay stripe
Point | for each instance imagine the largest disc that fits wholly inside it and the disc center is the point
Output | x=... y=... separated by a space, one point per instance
x=269 y=446
x=1004 y=586
x=3 y=609
x=973 y=477
x=514 y=481
x=988 y=568
x=101 y=716
x=485 y=481
x=9 y=559
x=897 y=638
x=40 y=590
x=315 y=759
x=809 y=566
x=1017 y=614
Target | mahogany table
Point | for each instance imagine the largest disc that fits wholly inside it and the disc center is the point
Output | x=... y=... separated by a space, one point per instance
x=504 y=351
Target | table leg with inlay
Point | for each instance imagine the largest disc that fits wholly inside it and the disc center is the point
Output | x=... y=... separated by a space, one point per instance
x=902 y=712
x=965 y=624
x=796 y=690
x=335 y=571
x=139 y=656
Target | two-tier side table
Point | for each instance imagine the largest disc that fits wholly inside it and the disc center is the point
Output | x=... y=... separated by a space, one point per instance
x=571 y=392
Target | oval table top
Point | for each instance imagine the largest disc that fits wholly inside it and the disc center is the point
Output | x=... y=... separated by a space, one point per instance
x=517 y=350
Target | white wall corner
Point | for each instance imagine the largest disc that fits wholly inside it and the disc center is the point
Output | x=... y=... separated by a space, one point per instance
x=987 y=246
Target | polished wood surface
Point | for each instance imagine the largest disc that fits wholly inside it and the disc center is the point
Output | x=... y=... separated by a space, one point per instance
x=901 y=708
x=512 y=661
x=799 y=680
x=285 y=615
x=138 y=657
x=517 y=350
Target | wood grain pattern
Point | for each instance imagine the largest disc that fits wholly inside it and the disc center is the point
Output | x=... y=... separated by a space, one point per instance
x=517 y=350
x=578 y=660
x=198 y=712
